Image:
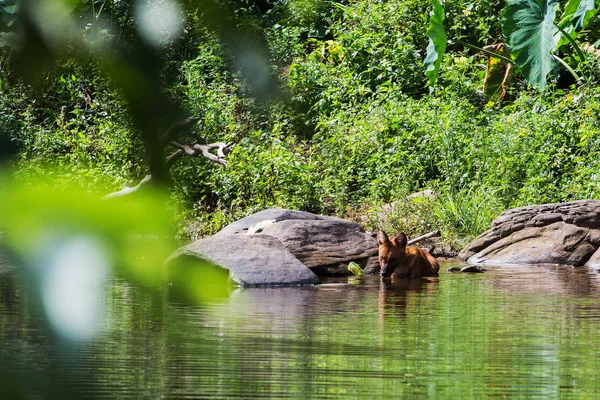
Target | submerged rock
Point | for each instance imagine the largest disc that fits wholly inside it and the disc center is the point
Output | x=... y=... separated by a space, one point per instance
x=453 y=269
x=562 y=234
x=472 y=269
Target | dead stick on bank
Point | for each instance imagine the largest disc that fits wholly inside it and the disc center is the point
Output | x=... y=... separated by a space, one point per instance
x=435 y=233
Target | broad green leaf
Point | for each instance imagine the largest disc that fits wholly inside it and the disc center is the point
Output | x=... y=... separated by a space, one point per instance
x=576 y=17
x=437 y=42
x=529 y=28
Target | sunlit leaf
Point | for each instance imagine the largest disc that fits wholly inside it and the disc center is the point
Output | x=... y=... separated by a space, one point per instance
x=529 y=29
x=437 y=42
x=355 y=269
x=498 y=74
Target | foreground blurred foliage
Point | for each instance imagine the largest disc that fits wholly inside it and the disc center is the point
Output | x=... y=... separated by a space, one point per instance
x=132 y=237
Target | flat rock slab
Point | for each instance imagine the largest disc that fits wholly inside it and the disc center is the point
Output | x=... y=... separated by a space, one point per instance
x=272 y=214
x=252 y=260
x=561 y=234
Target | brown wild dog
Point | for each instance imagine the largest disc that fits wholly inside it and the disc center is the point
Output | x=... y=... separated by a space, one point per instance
x=401 y=261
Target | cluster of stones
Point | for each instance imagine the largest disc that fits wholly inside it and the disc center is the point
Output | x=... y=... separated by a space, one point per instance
x=285 y=247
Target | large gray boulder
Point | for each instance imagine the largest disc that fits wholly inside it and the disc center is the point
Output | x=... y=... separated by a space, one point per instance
x=562 y=234
x=326 y=245
x=252 y=260
x=285 y=247
x=272 y=214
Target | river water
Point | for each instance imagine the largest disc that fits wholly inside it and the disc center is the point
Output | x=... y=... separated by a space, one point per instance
x=530 y=332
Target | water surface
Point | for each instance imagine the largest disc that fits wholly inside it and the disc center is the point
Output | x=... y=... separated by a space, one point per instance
x=529 y=332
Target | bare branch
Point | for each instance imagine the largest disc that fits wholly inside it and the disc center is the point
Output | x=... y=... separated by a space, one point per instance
x=192 y=149
x=425 y=236
x=206 y=148
x=128 y=190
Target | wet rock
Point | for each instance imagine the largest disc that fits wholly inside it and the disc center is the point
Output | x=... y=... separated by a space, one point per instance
x=252 y=260
x=562 y=234
x=453 y=269
x=594 y=261
x=437 y=248
x=472 y=269
x=373 y=268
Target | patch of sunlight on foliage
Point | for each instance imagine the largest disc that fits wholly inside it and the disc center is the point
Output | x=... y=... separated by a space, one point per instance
x=62 y=232
x=468 y=212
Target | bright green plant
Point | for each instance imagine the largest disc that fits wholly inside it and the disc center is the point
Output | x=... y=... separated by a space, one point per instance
x=577 y=16
x=529 y=29
x=532 y=36
x=437 y=42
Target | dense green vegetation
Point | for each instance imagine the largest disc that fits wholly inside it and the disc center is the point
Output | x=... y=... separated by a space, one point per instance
x=350 y=126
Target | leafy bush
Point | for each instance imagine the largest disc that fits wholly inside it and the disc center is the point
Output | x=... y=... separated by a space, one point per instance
x=359 y=130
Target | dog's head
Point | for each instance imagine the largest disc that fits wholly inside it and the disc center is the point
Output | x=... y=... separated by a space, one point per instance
x=391 y=251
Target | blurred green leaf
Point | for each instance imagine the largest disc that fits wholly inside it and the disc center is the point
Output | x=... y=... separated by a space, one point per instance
x=136 y=231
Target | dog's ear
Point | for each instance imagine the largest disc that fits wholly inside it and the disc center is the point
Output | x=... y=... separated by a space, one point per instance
x=382 y=237
x=401 y=240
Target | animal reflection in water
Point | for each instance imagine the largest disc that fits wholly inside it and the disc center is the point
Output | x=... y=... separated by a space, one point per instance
x=399 y=297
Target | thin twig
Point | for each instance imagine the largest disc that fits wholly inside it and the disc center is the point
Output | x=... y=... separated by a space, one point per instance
x=435 y=233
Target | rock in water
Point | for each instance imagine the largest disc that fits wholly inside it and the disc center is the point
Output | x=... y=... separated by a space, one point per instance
x=252 y=260
x=562 y=234
x=473 y=269
x=290 y=244
x=326 y=246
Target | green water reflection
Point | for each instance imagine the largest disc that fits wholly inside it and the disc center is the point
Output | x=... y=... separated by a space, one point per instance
x=527 y=332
